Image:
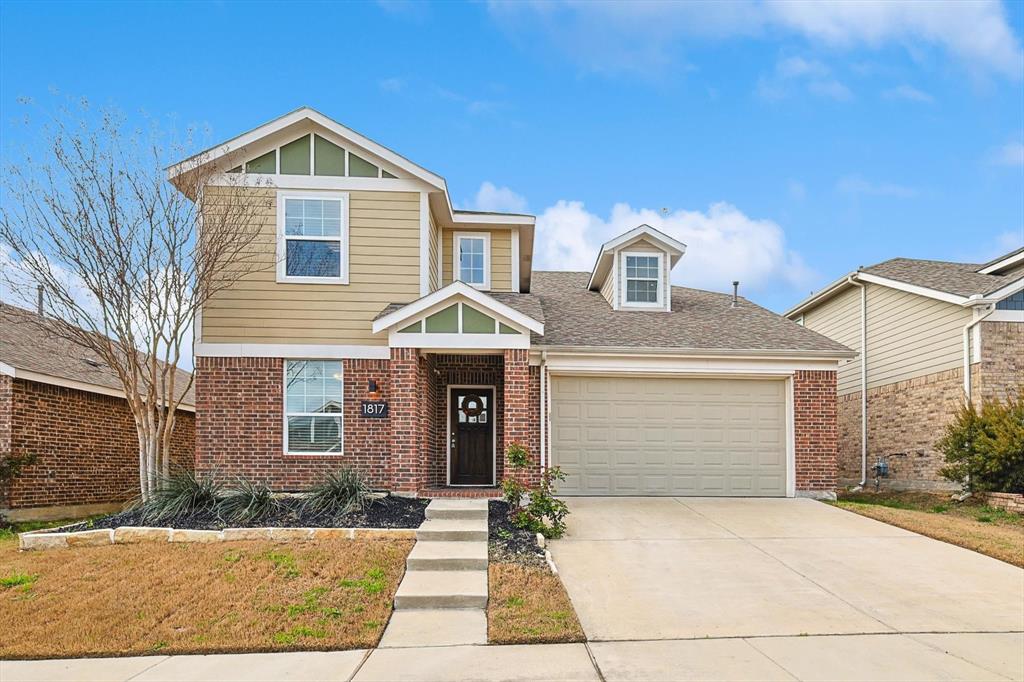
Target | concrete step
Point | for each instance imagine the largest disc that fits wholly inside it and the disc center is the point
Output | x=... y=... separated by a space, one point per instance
x=448 y=556
x=435 y=627
x=442 y=590
x=456 y=530
x=450 y=508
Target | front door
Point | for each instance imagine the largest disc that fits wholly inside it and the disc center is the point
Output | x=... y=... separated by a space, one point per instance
x=471 y=436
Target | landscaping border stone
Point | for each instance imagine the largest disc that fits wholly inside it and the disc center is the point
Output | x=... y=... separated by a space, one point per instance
x=48 y=539
x=1012 y=502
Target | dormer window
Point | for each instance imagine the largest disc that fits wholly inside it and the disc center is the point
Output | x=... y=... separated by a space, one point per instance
x=642 y=279
x=473 y=259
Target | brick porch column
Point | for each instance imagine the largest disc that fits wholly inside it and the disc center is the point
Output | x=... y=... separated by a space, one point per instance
x=816 y=432
x=518 y=424
x=406 y=413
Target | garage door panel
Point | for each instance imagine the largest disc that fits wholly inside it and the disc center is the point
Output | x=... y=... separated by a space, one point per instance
x=669 y=436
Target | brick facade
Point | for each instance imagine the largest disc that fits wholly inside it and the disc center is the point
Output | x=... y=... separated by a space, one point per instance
x=906 y=418
x=86 y=446
x=240 y=425
x=816 y=432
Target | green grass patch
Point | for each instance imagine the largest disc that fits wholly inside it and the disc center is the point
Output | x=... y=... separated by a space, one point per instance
x=22 y=580
x=373 y=583
x=296 y=633
x=283 y=562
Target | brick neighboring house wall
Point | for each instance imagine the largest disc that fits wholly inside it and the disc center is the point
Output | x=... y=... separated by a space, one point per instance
x=240 y=424
x=1001 y=370
x=816 y=432
x=86 y=445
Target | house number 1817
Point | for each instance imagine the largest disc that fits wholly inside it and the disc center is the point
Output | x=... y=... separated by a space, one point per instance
x=375 y=409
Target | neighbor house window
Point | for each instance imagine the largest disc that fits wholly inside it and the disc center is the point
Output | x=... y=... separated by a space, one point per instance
x=643 y=279
x=313 y=395
x=472 y=259
x=313 y=235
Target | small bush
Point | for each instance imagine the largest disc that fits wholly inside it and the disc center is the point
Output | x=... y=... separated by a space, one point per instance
x=246 y=501
x=984 y=449
x=338 y=493
x=542 y=512
x=181 y=494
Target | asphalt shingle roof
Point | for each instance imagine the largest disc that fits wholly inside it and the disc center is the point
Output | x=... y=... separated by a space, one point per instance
x=700 y=320
x=26 y=346
x=960 y=279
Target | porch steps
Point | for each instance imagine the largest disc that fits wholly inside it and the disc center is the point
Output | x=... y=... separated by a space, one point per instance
x=457 y=509
x=453 y=530
x=446 y=573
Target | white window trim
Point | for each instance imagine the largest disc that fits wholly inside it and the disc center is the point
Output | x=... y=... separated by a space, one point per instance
x=660 y=303
x=457 y=272
x=283 y=278
x=287 y=414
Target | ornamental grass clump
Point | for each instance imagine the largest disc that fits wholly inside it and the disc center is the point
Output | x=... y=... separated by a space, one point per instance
x=245 y=501
x=183 y=493
x=338 y=493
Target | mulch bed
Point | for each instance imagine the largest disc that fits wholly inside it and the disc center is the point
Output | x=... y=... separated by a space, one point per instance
x=387 y=512
x=509 y=544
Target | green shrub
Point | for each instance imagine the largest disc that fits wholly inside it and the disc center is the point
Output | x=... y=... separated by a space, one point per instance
x=182 y=493
x=984 y=449
x=542 y=513
x=338 y=492
x=246 y=501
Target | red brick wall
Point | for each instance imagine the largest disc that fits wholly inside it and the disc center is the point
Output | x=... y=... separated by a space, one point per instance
x=522 y=421
x=240 y=428
x=407 y=411
x=86 y=445
x=816 y=430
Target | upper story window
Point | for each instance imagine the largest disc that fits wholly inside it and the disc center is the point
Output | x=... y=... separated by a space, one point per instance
x=473 y=259
x=643 y=279
x=313 y=238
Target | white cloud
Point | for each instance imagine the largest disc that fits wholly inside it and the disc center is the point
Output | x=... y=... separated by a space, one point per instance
x=723 y=243
x=500 y=199
x=645 y=36
x=391 y=84
x=797 y=72
x=908 y=92
x=1010 y=154
x=855 y=185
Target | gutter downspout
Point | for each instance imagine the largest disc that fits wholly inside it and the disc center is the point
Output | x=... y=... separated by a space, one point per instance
x=543 y=407
x=967 y=349
x=863 y=379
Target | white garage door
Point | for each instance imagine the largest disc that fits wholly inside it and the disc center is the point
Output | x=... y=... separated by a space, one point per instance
x=669 y=436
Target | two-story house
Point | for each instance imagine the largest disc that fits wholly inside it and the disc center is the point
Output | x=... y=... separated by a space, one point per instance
x=390 y=331
x=928 y=333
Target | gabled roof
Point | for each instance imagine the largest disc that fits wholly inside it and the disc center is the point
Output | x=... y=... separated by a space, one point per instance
x=27 y=351
x=700 y=322
x=602 y=265
x=396 y=315
x=958 y=283
x=997 y=265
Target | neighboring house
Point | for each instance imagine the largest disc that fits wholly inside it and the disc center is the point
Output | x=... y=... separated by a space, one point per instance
x=393 y=332
x=928 y=333
x=63 y=405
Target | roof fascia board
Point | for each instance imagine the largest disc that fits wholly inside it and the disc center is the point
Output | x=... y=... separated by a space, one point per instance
x=819 y=296
x=999 y=294
x=1000 y=264
x=455 y=289
x=509 y=219
x=911 y=288
x=619 y=351
x=316 y=182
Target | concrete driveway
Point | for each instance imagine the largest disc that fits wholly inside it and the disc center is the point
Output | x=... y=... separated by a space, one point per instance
x=701 y=588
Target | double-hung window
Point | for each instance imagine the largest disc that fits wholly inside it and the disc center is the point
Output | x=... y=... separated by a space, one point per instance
x=643 y=279
x=313 y=238
x=473 y=259
x=313 y=405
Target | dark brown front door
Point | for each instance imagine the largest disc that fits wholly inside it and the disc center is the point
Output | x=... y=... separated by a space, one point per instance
x=472 y=436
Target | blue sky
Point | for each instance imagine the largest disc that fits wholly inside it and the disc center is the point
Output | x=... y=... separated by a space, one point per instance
x=789 y=143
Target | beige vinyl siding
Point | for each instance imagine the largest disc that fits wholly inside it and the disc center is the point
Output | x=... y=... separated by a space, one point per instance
x=608 y=289
x=908 y=335
x=839 y=319
x=384 y=247
x=435 y=246
x=501 y=258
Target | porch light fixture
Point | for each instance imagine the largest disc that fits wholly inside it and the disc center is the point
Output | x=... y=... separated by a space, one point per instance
x=371 y=387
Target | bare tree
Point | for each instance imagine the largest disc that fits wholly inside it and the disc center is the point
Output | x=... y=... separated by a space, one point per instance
x=94 y=220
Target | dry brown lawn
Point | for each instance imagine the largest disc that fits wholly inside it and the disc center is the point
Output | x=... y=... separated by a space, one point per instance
x=994 y=532
x=197 y=598
x=529 y=605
